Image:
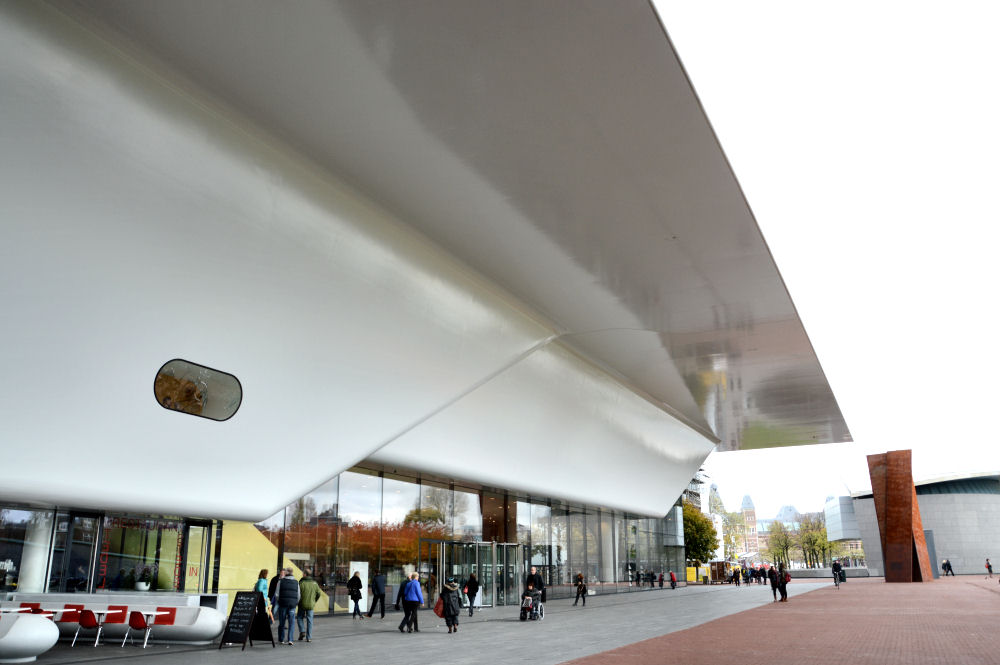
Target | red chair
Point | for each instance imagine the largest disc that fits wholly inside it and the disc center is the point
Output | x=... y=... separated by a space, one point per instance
x=137 y=621
x=88 y=620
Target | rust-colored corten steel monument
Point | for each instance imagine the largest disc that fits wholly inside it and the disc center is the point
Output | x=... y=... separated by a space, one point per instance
x=904 y=548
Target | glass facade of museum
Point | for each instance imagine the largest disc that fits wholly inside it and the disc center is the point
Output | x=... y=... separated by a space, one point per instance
x=362 y=520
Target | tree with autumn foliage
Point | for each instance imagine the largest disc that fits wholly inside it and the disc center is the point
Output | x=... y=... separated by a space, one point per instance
x=700 y=538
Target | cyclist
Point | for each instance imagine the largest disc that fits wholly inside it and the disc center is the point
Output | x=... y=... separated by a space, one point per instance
x=837 y=569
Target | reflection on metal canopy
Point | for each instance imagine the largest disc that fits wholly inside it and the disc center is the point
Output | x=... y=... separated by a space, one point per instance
x=371 y=232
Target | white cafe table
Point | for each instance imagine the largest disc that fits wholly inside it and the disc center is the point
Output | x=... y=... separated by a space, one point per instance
x=25 y=610
x=149 y=614
x=101 y=615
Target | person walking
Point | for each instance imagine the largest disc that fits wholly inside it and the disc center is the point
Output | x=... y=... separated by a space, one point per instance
x=432 y=581
x=772 y=576
x=450 y=604
x=399 y=592
x=261 y=586
x=581 y=589
x=784 y=577
x=354 y=592
x=673 y=580
x=286 y=598
x=273 y=586
x=378 y=594
x=309 y=593
x=471 y=590
x=413 y=598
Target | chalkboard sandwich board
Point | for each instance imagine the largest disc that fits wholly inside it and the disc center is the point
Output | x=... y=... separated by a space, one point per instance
x=247 y=620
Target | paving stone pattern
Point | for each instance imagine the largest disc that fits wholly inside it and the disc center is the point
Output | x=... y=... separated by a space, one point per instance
x=951 y=621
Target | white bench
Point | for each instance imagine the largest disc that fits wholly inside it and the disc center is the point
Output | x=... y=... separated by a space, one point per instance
x=24 y=636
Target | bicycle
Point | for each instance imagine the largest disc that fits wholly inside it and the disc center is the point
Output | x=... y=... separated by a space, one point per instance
x=836 y=580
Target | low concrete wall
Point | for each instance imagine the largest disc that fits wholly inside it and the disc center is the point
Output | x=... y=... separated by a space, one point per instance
x=820 y=573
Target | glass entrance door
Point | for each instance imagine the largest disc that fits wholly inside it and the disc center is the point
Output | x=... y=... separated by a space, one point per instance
x=73 y=552
x=460 y=561
x=195 y=564
x=439 y=560
x=509 y=573
x=486 y=562
x=430 y=566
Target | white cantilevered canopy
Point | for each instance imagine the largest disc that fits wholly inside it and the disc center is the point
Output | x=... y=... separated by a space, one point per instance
x=408 y=229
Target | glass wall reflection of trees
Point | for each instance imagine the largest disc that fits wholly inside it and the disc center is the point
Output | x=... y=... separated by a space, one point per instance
x=380 y=519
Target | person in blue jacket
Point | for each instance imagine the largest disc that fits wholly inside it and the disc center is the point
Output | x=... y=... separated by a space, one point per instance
x=413 y=598
x=262 y=587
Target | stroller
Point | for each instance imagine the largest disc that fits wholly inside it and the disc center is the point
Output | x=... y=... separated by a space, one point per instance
x=532 y=606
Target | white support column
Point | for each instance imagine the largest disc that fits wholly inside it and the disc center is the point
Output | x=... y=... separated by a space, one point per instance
x=35 y=555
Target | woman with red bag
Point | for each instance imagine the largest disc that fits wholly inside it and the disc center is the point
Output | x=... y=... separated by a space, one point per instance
x=784 y=577
x=472 y=590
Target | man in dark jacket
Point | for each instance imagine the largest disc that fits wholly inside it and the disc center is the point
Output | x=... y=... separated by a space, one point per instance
x=378 y=593
x=535 y=580
x=772 y=575
x=286 y=598
x=273 y=586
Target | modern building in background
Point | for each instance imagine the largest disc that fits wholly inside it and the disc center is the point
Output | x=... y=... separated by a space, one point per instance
x=960 y=515
x=353 y=285
x=842 y=528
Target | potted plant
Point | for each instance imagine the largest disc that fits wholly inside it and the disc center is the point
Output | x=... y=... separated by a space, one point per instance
x=143 y=579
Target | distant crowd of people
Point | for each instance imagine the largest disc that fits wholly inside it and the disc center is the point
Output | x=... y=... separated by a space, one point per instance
x=778 y=577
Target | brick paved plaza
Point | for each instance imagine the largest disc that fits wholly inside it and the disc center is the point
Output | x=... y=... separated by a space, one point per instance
x=952 y=621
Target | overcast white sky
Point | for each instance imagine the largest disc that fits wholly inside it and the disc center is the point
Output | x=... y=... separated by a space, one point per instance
x=866 y=136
